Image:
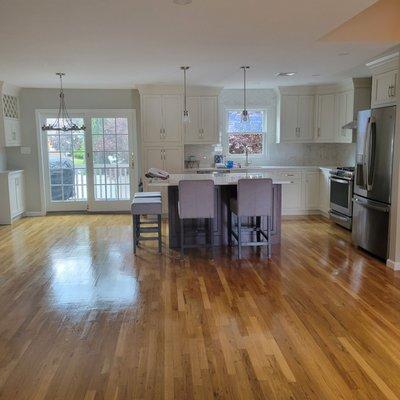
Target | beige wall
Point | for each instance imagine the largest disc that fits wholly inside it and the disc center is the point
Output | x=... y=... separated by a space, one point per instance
x=34 y=99
x=3 y=159
x=394 y=240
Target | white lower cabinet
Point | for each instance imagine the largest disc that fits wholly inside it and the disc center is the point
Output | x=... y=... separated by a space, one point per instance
x=12 y=199
x=166 y=158
x=304 y=192
x=311 y=190
x=291 y=197
x=324 y=192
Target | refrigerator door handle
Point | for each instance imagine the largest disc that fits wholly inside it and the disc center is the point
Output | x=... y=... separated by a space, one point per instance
x=371 y=153
x=366 y=156
x=371 y=204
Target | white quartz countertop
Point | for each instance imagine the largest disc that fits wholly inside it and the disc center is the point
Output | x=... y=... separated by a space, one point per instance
x=219 y=179
x=262 y=167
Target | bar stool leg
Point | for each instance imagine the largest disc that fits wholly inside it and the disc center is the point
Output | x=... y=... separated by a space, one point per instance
x=182 y=234
x=229 y=226
x=258 y=226
x=134 y=232
x=211 y=230
x=239 y=227
x=159 y=233
x=269 y=229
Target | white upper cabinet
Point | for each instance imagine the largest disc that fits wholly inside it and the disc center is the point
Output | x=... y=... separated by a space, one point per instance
x=325 y=118
x=306 y=118
x=318 y=113
x=384 y=88
x=203 y=126
x=161 y=118
x=296 y=118
x=152 y=121
x=10 y=131
x=172 y=118
x=384 y=80
x=344 y=105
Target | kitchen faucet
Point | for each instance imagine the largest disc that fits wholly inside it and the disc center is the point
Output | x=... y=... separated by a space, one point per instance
x=247 y=156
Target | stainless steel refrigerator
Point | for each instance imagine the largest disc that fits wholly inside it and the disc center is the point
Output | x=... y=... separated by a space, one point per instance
x=373 y=179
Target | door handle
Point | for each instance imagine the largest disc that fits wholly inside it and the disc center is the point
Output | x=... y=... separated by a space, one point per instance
x=369 y=204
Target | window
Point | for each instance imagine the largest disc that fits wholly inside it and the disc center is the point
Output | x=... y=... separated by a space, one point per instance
x=248 y=134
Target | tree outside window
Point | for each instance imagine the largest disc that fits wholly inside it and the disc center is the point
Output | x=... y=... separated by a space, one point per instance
x=242 y=135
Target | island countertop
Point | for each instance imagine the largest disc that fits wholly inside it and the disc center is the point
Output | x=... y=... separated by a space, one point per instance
x=218 y=178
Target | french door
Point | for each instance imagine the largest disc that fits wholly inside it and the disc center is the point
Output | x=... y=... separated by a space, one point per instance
x=93 y=169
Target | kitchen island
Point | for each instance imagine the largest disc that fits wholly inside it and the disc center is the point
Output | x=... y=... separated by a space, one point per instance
x=225 y=188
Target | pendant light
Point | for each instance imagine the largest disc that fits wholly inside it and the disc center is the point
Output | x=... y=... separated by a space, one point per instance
x=63 y=121
x=245 y=114
x=185 y=117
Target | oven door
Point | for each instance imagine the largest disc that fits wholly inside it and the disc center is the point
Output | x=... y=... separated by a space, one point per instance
x=341 y=195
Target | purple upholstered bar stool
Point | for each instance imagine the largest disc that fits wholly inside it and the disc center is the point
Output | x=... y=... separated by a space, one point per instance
x=254 y=199
x=196 y=200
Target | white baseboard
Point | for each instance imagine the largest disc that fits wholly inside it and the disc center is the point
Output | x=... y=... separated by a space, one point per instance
x=300 y=212
x=394 y=265
x=35 y=214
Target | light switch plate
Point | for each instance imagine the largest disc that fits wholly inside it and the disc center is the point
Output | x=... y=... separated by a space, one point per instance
x=26 y=150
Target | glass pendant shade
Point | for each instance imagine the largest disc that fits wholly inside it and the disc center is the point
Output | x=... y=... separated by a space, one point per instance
x=186 y=117
x=244 y=116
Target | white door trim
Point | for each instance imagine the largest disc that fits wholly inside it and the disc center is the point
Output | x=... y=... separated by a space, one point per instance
x=85 y=113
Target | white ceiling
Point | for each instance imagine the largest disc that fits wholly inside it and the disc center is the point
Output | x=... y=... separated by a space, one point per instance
x=121 y=43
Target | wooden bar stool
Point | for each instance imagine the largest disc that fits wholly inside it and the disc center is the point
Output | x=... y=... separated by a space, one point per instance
x=196 y=200
x=146 y=206
x=254 y=199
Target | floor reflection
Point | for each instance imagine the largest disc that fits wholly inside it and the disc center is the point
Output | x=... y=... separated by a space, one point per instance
x=90 y=278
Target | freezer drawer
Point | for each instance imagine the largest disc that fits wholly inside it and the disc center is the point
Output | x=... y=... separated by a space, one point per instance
x=371 y=226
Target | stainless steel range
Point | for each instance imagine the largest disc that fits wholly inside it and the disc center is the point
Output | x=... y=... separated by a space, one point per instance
x=342 y=182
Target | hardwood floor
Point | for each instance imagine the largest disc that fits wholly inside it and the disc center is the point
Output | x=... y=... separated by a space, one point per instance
x=81 y=318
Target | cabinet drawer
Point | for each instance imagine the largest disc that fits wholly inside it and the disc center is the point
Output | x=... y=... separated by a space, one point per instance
x=290 y=175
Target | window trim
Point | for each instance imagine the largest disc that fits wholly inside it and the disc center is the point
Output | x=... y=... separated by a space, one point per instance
x=225 y=144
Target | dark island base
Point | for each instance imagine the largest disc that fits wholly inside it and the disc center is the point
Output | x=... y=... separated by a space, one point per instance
x=196 y=231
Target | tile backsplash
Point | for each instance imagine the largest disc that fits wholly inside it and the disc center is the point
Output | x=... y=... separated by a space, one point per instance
x=288 y=154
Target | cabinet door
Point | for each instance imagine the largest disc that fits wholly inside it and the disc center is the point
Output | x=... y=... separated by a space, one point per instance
x=289 y=119
x=12 y=132
x=324 y=192
x=153 y=158
x=326 y=118
x=13 y=195
x=209 y=128
x=340 y=116
x=192 y=130
x=152 y=119
x=311 y=190
x=172 y=118
x=173 y=160
x=306 y=118
x=384 y=88
x=291 y=197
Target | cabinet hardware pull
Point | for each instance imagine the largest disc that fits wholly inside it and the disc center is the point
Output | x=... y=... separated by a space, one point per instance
x=390 y=91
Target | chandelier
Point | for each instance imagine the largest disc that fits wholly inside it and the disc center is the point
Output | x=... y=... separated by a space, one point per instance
x=63 y=121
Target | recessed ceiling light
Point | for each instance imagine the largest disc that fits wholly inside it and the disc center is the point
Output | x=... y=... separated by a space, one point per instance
x=278 y=74
x=344 y=53
x=182 y=2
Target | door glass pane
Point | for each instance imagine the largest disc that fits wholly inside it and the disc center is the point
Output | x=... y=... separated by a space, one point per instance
x=111 y=158
x=67 y=164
